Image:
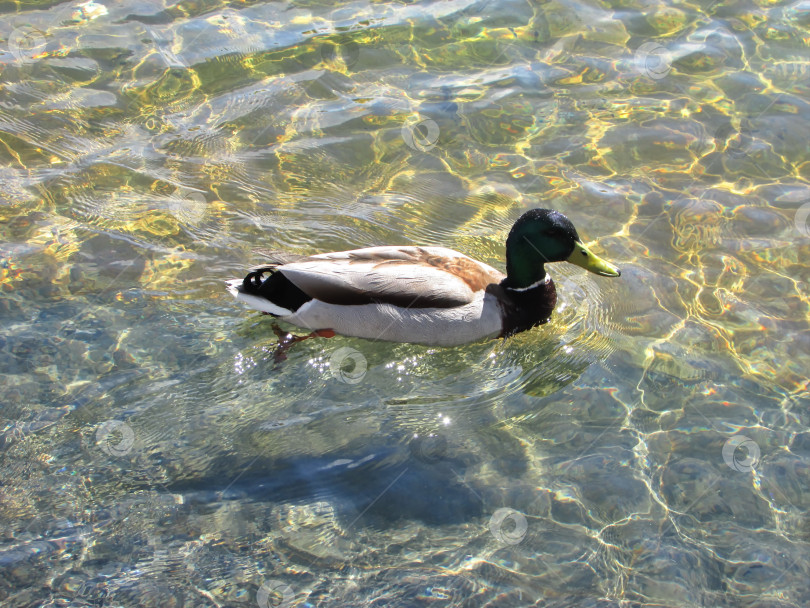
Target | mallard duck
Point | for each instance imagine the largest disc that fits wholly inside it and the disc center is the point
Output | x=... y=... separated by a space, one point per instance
x=423 y=295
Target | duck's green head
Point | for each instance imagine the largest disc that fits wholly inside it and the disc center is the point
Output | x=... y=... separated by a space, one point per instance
x=541 y=236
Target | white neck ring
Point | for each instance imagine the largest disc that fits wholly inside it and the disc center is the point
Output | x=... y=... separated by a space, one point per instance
x=542 y=281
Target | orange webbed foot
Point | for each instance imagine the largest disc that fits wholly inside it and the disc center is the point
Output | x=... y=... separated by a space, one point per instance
x=286 y=340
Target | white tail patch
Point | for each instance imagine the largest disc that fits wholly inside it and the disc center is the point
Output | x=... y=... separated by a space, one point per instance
x=255 y=302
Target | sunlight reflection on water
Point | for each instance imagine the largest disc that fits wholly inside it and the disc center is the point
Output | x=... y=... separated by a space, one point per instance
x=646 y=448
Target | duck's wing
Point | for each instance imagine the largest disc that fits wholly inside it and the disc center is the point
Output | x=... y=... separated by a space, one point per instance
x=413 y=277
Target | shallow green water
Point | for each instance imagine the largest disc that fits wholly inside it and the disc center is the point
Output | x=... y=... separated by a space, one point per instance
x=649 y=447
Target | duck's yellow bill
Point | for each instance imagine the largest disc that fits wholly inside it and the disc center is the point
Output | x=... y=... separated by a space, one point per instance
x=582 y=256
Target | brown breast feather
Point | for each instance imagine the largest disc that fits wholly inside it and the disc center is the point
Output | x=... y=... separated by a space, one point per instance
x=469 y=271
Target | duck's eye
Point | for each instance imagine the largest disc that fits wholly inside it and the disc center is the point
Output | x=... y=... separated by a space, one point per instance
x=582 y=251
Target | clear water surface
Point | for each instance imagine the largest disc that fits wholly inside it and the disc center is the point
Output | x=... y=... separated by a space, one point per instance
x=649 y=447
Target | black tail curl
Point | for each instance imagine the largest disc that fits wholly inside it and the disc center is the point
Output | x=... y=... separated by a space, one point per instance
x=252 y=283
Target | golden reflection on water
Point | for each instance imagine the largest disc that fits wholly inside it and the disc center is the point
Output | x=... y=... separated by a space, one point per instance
x=149 y=150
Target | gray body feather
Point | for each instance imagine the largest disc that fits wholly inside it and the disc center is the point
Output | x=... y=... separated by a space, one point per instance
x=425 y=295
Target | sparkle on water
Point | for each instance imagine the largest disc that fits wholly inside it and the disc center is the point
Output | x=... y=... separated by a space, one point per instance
x=649 y=447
